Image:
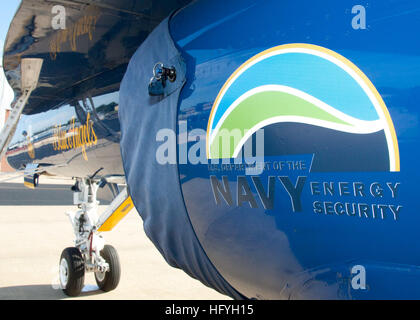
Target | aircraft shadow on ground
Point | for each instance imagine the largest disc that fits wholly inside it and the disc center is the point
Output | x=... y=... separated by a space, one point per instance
x=16 y=194
x=42 y=292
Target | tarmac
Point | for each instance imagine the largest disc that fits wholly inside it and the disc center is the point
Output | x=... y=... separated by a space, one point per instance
x=34 y=230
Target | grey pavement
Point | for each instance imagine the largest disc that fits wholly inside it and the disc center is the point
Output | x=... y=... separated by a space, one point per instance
x=34 y=230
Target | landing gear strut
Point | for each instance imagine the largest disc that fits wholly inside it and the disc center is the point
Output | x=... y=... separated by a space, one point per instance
x=90 y=254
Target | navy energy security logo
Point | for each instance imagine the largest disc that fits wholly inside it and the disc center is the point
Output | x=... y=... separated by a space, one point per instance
x=309 y=100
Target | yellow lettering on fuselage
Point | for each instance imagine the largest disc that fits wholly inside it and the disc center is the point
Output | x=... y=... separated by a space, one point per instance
x=76 y=137
x=31 y=150
x=84 y=26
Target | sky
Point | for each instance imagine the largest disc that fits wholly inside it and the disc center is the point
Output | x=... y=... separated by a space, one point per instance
x=7 y=11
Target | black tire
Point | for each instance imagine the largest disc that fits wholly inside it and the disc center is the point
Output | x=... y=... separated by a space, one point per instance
x=112 y=277
x=75 y=271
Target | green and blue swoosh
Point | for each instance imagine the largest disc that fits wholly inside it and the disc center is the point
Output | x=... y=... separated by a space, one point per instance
x=303 y=84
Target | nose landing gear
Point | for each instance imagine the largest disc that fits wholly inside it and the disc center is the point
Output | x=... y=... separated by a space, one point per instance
x=90 y=254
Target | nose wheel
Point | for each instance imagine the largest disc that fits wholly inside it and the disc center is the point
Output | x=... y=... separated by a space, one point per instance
x=108 y=280
x=72 y=271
